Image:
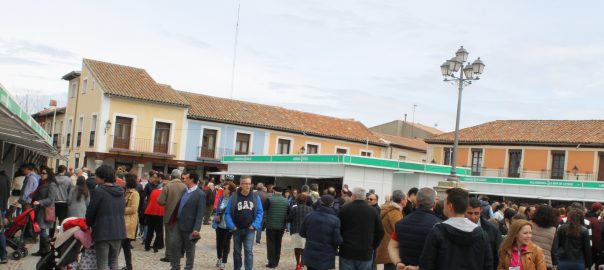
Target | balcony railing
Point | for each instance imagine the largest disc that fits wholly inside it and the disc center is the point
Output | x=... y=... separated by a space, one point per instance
x=217 y=153
x=543 y=174
x=142 y=145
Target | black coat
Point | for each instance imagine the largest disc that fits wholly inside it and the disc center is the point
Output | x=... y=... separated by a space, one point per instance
x=321 y=228
x=105 y=213
x=5 y=187
x=189 y=218
x=447 y=247
x=411 y=233
x=361 y=229
x=494 y=239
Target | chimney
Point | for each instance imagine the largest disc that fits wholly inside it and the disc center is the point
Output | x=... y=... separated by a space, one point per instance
x=53 y=103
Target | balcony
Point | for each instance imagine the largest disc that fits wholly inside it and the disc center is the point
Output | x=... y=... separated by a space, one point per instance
x=543 y=174
x=217 y=153
x=143 y=146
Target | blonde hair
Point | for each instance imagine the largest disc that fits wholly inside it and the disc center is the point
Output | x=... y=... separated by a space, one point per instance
x=513 y=231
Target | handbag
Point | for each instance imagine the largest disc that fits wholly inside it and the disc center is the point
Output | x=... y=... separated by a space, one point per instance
x=49 y=214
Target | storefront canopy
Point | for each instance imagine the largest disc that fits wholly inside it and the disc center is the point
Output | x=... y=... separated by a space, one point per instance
x=19 y=128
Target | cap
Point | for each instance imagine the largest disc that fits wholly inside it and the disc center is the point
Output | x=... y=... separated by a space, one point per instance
x=327 y=200
x=596 y=206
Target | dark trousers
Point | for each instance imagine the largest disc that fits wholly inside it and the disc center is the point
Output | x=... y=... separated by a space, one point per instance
x=273 y=246
x=127 y=247
x=223 y=241
x=155 y=226
x=61 y=214
x=389 y=266
x=207 y=217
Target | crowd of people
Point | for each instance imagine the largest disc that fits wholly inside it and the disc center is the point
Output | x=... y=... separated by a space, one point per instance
x=410 y=230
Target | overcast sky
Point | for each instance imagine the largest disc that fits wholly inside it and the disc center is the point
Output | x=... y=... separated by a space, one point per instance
x=368 y=60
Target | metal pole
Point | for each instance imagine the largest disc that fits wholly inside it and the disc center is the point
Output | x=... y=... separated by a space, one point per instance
x=453 y=176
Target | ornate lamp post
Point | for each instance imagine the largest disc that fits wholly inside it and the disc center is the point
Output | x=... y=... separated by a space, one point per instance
x=468 y=73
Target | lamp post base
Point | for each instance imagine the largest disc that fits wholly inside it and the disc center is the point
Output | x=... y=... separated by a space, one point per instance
x=444 y=185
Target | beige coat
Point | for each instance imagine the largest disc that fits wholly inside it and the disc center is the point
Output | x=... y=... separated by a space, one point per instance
x=131 y=212
x=390 y=214
x=170 y=196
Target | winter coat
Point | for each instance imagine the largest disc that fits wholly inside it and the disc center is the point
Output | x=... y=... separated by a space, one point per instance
x=411 y=233
x=361 y=229
x=296 y=217
x=545 y=239
x=532 y=258
x=494 y=239
x=448 y=247
x=572 y=248
x=77 y=208
x=277 y=212
x=229 y=216
x=132 y=199
x=4 y=190
x=170 y=197
x=321 y=229
x=390 y=214
x=153 y=207
x=64 y=186
x=105 y=213
x=45 y=195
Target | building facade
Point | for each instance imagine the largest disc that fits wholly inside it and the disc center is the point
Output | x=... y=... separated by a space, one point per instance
x=407 y=129
x=540 y=149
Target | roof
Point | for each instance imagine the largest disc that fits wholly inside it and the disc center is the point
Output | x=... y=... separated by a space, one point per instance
x=71 y=75
x=130 y=82
x=204 y=107
x=404 y=142
x=428 y=129
x=530 y=132
x=47 y=111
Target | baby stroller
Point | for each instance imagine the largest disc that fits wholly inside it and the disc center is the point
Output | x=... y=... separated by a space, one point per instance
x=65 y=249
x=24 y=222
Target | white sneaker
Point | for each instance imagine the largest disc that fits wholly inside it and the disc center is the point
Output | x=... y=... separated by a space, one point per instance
x=218 y=262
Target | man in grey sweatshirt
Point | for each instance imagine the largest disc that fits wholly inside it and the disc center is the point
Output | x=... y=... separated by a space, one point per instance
x=64 y=186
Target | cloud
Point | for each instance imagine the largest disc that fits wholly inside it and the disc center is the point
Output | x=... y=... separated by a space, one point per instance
x=184 y=38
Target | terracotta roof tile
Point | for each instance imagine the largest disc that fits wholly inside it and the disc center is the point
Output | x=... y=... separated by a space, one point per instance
x=530 y=132
x=417 y=144
x=131 y=82
x=210 y=108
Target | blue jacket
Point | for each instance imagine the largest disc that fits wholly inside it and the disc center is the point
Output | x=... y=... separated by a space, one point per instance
x=411 y=233
x=189 y=218
x=218 y=213
x=321 y=229
x=257 y=223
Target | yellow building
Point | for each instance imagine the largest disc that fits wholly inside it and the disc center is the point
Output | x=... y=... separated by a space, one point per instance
x=119 y=116
x=543 y=149
x=52 y=120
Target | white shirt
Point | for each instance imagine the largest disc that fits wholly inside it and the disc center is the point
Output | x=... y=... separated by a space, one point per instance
x=189 y=190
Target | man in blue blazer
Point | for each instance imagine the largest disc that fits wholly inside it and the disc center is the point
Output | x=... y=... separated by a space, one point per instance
x=187 y=219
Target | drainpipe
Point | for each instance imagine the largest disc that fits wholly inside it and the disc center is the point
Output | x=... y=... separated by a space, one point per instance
x=75 y=113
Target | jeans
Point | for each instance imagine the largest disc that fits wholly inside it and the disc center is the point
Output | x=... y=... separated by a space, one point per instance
x=3 y=254
x=107 y=253
x=223 y=241
x=243 y=237
x=273 y=246
x=571 y=265
x=180 y=239
x=258 y=236
x=347 y=264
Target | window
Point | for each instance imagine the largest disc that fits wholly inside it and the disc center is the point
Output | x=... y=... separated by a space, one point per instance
x=123 y=126
x=312 y=149
x=72 y=90
x=448 y=152
x=79 y=135
x=61 y=132
x=69 y=126
x=93 y=83
x=283 y=146
x=242 y=144
x=476 y=161
x=162 y=137
x=208 y=143
x=84 y=85
x=92 y=131
x=515 y=156
x=341 y=151
x=558 y=164
x=365 y=153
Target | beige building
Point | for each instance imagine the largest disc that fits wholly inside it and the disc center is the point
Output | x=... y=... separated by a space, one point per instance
x=52 y=120
x=406 y=129
x=404 y=149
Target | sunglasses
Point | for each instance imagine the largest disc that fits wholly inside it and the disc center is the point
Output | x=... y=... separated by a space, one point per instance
x=43 y=173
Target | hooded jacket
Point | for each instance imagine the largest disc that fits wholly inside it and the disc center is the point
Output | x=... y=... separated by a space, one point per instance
x=64 y=185
x=321 y=228
x=105 y=213
x=389 y=214
x=456 y=244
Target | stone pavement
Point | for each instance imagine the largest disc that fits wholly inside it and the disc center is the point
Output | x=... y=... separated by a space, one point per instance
x=205 y=255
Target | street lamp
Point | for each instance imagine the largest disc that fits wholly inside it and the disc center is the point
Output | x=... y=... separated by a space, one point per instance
x=468 y=72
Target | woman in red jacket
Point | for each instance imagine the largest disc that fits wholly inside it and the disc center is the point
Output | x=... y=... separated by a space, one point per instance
x=154 y=214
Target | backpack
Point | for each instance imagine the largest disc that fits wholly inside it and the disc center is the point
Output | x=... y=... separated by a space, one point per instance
x=234 y=198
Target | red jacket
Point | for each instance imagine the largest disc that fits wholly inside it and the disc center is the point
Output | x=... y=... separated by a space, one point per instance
x=218 y=195
x=153 y=208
